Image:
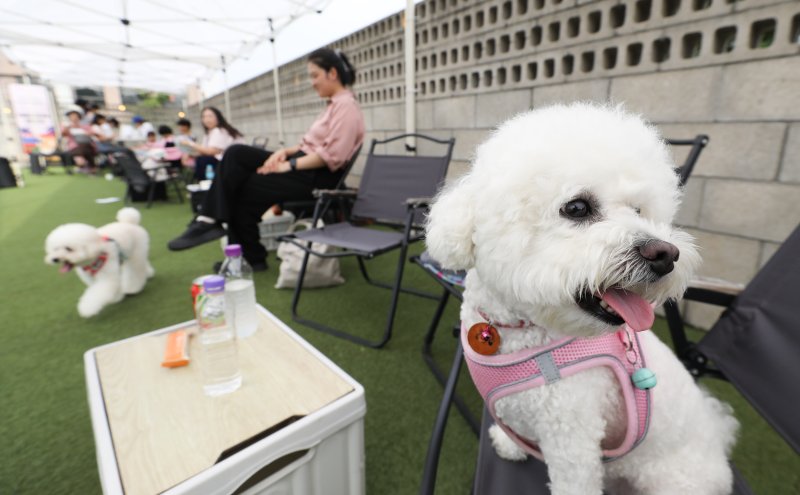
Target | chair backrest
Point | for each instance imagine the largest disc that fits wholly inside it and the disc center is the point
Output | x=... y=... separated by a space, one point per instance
x=389 y=180
x=348 y=167
x=756 y=342
x=133 y=172
x=698 y=143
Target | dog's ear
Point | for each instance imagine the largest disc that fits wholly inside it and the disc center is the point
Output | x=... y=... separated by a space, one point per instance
x=450 y=226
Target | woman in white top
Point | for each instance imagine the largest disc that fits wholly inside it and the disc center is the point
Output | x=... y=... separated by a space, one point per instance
x=219 y=135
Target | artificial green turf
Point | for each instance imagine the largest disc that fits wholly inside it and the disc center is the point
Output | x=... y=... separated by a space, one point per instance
x=47 y=444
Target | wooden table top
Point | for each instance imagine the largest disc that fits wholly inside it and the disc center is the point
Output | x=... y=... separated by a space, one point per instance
x=165 y=429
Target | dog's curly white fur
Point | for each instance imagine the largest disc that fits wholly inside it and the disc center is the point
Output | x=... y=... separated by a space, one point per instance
x=111 y=260
x=505 y=223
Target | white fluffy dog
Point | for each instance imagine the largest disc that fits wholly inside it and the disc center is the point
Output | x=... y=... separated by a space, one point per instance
x=111 y=260
x=564 y=225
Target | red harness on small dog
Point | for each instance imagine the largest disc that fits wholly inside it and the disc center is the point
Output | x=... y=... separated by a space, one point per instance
x=98 y=263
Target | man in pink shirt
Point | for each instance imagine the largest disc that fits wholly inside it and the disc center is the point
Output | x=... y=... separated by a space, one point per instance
x=250 y=179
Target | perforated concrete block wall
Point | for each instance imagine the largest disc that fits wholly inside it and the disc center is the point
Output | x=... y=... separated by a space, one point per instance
x=726 y=68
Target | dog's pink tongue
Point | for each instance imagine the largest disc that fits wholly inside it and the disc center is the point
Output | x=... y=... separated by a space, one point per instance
x=636 y=312
x=65 y=268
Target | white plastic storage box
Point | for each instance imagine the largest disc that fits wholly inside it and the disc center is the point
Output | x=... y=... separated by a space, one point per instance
x=295 y=427
x=274 y=226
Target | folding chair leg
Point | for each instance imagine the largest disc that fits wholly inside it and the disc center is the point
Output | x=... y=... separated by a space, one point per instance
x=177 y=188
x=427 y=356
x=151 y=193
x=693 y=359
x=363 y=267
x=376 y=344
x=435 y=445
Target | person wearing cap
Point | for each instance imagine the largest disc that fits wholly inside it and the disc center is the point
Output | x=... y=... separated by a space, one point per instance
x=250 y=180
x=80 y=145
x=142 y=127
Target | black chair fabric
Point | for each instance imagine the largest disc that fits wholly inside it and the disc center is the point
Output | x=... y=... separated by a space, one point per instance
x=496 y=475
x=391 y=179
x=347 y=236
x=7 y=178
x=142 y=187
x=756 y=342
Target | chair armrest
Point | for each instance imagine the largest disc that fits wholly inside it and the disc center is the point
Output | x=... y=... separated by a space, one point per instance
x=329 y=193
x=418 y=202
x=716 y=285
x=713 y=291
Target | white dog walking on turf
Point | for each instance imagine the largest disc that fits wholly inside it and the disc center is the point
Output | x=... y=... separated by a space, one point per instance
x=564 y=223
x=111 y=260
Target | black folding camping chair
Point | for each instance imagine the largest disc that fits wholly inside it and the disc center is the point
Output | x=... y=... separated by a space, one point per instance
x=395 y=191
x=140 y=182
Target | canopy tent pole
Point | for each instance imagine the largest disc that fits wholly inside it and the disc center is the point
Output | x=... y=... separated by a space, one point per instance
x=201 y=95
x=228 y=115
x=277 y=83
x=410 y=48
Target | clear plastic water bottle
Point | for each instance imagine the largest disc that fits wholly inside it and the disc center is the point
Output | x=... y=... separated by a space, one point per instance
x=209 y=172
x=240 y=292
x=220 y=368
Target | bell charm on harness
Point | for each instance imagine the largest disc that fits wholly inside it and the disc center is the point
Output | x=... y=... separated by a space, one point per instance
x=484 y=339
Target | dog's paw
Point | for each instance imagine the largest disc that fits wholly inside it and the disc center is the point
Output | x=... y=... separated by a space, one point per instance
x=504 y=446
x=88 y=309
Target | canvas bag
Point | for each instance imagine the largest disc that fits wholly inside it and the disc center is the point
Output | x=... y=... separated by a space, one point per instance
x=320 y=272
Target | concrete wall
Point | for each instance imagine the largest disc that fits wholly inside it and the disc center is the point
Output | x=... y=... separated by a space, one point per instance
x=726 y=68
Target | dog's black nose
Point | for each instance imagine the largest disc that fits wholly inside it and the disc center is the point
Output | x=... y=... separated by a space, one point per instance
x=661 y=256
x=56 y=260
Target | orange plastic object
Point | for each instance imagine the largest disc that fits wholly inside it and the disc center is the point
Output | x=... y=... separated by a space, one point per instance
x=177 y=352
x=483 y=338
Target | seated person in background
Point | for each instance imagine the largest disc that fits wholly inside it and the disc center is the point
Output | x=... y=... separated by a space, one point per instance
x=151 y=141
x=185 y=135
x=114 y=125
x=101 y=129
x=250 y=180
x=142 y=127
x=80 y=146
x=172 y=153
x=104 y=135
x=219 y=135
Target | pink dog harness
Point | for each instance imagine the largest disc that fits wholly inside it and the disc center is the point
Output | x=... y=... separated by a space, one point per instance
x=500 y=375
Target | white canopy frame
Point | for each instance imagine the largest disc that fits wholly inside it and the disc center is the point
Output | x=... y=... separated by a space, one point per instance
x=149 y=44
x=165 y=44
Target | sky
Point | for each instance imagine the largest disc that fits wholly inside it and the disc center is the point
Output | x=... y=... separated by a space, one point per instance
x=338 y=20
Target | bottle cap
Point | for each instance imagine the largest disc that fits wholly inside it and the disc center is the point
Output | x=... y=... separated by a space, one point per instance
x=213 y=284
x=233 y=250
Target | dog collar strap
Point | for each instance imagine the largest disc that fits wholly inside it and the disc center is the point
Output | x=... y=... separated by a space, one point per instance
x=121 y=254
x=97 y=264
x=500 y=375
x=516 y=324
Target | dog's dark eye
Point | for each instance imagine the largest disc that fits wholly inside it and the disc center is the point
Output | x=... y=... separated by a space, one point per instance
x=577 y=208
x=69 y=249
x=637 y=210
